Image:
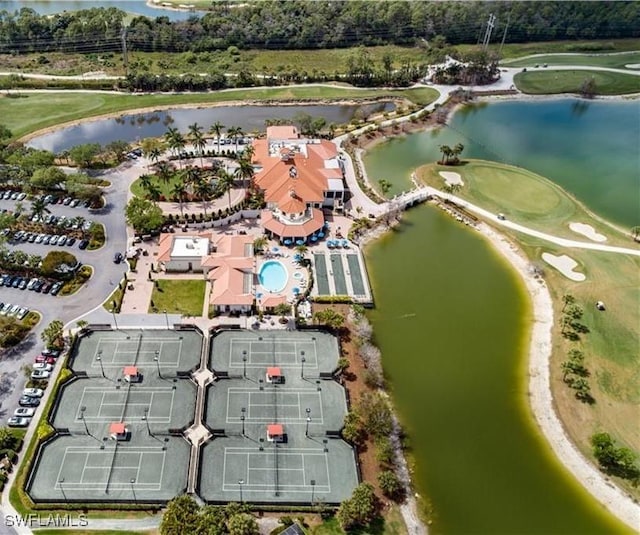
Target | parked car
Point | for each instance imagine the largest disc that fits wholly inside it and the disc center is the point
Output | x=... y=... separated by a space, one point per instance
x=42 y=366
x=67 y=201
x=16 y=421
x=55 y=289
x=46 y=359
x=117 y=258
x=22 y=313
x=71 y=241
x=46 y=239
x=39 y=375
x=32 y=283
x=23 y=284
x=24 y=412
x=5 y=309
x=55 y=353
x=62 y=241
x=28 y=401
x=74 y=203
x=14 y=310
x=46 y=287
x=54 y=239
x=83 y=244
x=33 y=392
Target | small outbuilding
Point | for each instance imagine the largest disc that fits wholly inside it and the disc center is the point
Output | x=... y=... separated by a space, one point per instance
x=275 y=433
x=132 y=375
x=274 y=375
x=118 y=431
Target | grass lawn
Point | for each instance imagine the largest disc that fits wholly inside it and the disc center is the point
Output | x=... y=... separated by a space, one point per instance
x=184 y=297
x=516 y=50
x=610 y=348
x=29 y=113
x=391 y=524
x=552 y=82
x=524 y=197
x=165 y=187
x=617 y=61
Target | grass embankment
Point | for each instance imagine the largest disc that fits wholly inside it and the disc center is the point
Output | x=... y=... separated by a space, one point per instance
x=614 y=61
x=524 y=197
x=570 y=81
x=611 y=346
x=25 y=113
x=516 y=50
x=184 y=297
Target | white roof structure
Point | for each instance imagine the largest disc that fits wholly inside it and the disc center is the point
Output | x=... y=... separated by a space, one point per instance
x=335 y=184
x=189 y=247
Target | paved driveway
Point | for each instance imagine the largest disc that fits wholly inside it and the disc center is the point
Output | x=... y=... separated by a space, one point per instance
x=106 y=276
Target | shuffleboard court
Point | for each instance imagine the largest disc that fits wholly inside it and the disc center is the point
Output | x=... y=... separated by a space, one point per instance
x=273 y=404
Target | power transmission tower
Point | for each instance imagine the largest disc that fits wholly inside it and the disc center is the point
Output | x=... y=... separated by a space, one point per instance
x=125 y=57
x=504 y=35
x=487 y=34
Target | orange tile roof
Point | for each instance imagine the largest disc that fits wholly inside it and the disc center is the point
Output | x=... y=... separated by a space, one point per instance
x=275 y=430
x=117 y=428
x=272 y=301
x=274 y=372
x=284 y=230
x=292 y=205
x=131 y=371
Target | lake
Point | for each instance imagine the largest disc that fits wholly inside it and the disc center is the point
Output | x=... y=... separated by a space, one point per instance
x=452 y=320
x=589 y=148
x=134 y=127
x=138 y=7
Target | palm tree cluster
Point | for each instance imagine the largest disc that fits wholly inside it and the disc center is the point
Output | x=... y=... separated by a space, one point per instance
x=450 y=156
x=191 y=182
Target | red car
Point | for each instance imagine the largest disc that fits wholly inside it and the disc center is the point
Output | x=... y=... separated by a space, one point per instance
x=46 y=360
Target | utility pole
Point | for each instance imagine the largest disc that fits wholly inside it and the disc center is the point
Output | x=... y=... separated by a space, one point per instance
x=125 y=57
x=504 y=35
x=487 y=34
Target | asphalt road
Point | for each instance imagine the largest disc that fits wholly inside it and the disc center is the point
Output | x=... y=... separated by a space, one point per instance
x=106 y=275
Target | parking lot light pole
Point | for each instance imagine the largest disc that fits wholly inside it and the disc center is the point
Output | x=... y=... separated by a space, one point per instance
x=240 y=483
x=113 y=313
x=99 y=359
x=242 y=417
x=302 y=361
x=313 y=488
x=244 y=363
x=166 y=318
x=146 y=419
x=133 y=490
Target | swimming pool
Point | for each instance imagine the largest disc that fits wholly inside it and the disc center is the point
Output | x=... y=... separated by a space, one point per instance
x=273 y=276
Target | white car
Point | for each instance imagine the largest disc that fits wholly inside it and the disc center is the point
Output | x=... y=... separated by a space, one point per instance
x=24 y=412
x=33 y=392
x=42 y=366
x=38 y=375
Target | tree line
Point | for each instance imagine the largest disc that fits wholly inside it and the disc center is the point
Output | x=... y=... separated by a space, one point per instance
x=298 y=24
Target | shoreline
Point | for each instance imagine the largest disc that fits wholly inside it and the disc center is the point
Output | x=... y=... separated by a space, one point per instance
x=595 y=482
x=192 y=105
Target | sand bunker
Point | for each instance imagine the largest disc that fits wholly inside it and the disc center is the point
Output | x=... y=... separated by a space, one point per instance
x=452 y=178
x=588 y=231
x=564 y=264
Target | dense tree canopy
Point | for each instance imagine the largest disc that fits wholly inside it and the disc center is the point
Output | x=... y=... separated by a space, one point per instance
x=320 y=24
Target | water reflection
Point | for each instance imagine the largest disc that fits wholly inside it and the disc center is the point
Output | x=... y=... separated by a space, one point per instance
x=134 y=127
x=138 y=7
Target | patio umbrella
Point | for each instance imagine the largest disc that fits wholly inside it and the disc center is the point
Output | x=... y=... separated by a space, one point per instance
x=300 y=242
x=287 y=242
x=314 y=238
x=320 y=234
x=275 y=249
x=296 y=290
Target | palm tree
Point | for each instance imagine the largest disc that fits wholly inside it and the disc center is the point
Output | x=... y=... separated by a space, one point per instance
x=245 y=171
x=145 y=181
x=198 y=140
x=202 y=189
x=259 y=243
x=234 y=133
x=248 y=152
x=226 y=181
x=164 y=171
x=385 y=186
x=457 y=150
x=302 y=251
x=216 y=129
x=154 y=192
x=155 y=154
x=446 y=154
x=39 y=208
x=179 y=191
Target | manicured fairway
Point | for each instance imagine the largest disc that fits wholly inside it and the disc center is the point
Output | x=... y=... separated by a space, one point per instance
x=552 y=82
x=617 y=61
x=30 y=112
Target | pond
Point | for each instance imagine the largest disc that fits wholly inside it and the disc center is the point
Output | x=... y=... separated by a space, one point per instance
x=588 y=148
x=134 y=127
x=138 y=7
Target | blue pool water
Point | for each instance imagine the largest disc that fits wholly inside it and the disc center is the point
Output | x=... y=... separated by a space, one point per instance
x=273 y=276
